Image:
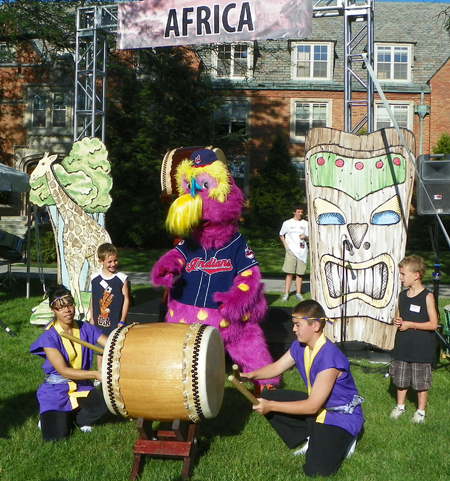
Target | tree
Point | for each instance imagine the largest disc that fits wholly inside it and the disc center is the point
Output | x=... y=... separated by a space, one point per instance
x=273 y=192
x=443 y=145
x=159 y=102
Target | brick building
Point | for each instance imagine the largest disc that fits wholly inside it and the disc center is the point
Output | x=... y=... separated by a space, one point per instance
x=294 y=84
x=35 y=110
x=291 y=85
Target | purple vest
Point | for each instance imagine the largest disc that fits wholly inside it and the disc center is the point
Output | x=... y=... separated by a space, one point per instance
x=344 y=389
x=55 y=397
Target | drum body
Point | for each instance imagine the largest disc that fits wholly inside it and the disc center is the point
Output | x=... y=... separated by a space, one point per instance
x=169 y=167
x=163 y=372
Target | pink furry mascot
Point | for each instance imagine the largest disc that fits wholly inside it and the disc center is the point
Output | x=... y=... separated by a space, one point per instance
x=213 y=275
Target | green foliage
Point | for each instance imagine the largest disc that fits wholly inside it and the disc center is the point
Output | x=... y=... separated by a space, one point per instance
x=84 y=175
x=46 y=243
x=52 y=23
x=160 y=104
x=273 y=192
x=443 y=145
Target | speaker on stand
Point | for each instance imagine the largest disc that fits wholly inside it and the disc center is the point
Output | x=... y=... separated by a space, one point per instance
x=433 y=184
x=433 y=197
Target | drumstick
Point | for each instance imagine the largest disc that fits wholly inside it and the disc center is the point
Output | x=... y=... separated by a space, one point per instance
x=236 y=374
x=99 y=350
x=243 y=391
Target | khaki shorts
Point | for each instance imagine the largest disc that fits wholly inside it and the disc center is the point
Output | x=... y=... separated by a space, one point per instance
x=292 y=265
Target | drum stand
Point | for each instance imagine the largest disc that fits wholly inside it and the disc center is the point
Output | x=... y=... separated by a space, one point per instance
x=180 y=442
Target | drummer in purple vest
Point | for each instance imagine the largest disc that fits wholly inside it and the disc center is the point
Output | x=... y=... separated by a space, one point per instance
x=67 y=396
x=328 y=418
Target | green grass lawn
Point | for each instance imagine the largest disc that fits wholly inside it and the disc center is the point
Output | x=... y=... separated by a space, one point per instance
x=237 y=445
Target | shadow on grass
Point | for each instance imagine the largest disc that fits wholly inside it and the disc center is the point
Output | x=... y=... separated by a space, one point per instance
x=11 y=417
x=236 y=407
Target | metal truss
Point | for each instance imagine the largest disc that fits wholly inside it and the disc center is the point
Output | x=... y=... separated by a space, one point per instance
x=358 y=41
x=95 y=23
x=93 y=26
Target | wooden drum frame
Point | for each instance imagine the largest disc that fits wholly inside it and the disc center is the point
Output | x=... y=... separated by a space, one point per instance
x=163 y=371
x=170 y=163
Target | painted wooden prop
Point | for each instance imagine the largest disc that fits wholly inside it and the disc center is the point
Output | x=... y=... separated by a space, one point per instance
x=76 y=193
x=163 y=371
x=359 y=189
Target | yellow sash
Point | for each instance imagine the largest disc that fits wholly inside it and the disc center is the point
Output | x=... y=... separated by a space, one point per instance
x=308 y=358
x=74 y=352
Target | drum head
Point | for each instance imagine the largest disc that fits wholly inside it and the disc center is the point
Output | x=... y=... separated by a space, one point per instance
x=211 y=372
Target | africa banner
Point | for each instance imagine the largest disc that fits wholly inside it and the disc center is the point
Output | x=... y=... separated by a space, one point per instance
x=169 y=23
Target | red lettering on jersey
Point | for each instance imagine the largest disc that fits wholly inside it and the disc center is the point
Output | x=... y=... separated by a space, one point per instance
x=213 y=266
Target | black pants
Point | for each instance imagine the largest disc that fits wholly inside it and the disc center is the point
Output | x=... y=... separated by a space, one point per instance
x=328 y=445
x=56 y=425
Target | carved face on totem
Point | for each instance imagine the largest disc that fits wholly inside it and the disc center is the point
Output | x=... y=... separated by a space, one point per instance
x=359 y=204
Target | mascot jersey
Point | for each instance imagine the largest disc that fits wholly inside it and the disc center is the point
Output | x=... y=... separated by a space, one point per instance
x=209 y=271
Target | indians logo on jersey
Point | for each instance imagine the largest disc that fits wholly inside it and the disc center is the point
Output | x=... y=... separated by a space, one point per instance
x=249 y=253
x=213 y=266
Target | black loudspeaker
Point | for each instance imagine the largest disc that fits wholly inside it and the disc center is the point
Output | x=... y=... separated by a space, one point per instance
x=433 y=184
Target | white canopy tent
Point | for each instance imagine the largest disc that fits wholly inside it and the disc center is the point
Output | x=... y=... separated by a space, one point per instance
x=13 y=180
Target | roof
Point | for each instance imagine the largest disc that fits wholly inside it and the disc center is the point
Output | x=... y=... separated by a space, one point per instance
x=420 y=24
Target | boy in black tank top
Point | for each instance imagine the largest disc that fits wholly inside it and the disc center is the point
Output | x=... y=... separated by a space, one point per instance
x=415 y=341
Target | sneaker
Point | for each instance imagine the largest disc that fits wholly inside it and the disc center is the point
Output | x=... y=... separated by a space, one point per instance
x=396 y=412
x=299 y=297
x=268 y=387
x=285 y=297
x=303 y=449
x=418 y=418
x=86 y=429
x=261 y=388
x=351 y=448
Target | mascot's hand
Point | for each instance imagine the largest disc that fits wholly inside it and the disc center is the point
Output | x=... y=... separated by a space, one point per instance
x=245 y=301
x=167 y=268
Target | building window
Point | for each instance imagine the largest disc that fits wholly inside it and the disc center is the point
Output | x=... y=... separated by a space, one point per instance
x=311 y=61
x=239 y=168
x=232 y=117
x=49 y=110
x=307 y=115
x=233 y=61
x=40 y=110
x=402 y=114
x=7 y=53
x=393 y=63
x=59 y=110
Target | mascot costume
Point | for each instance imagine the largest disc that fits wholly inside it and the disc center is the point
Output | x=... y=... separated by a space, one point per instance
x=212 y=274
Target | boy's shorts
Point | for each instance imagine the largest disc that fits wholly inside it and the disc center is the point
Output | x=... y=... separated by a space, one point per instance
x=414 y=374
x=292 y=265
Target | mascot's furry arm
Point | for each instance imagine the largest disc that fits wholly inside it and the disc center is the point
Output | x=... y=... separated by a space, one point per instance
x=245 y=300
x=169 y=266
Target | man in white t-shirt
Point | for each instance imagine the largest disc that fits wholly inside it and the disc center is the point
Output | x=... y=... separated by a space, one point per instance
x=294 y=234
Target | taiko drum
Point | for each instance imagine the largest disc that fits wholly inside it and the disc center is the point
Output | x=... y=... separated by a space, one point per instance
x=163 y=371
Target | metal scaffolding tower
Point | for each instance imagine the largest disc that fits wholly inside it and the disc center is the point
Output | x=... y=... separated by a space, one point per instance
x=93 y=26
x=96 y=22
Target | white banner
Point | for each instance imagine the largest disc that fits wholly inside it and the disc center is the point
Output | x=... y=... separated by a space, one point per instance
x=168 y=23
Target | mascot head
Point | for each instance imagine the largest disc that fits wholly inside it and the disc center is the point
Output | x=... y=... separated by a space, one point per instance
x=209 y=203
